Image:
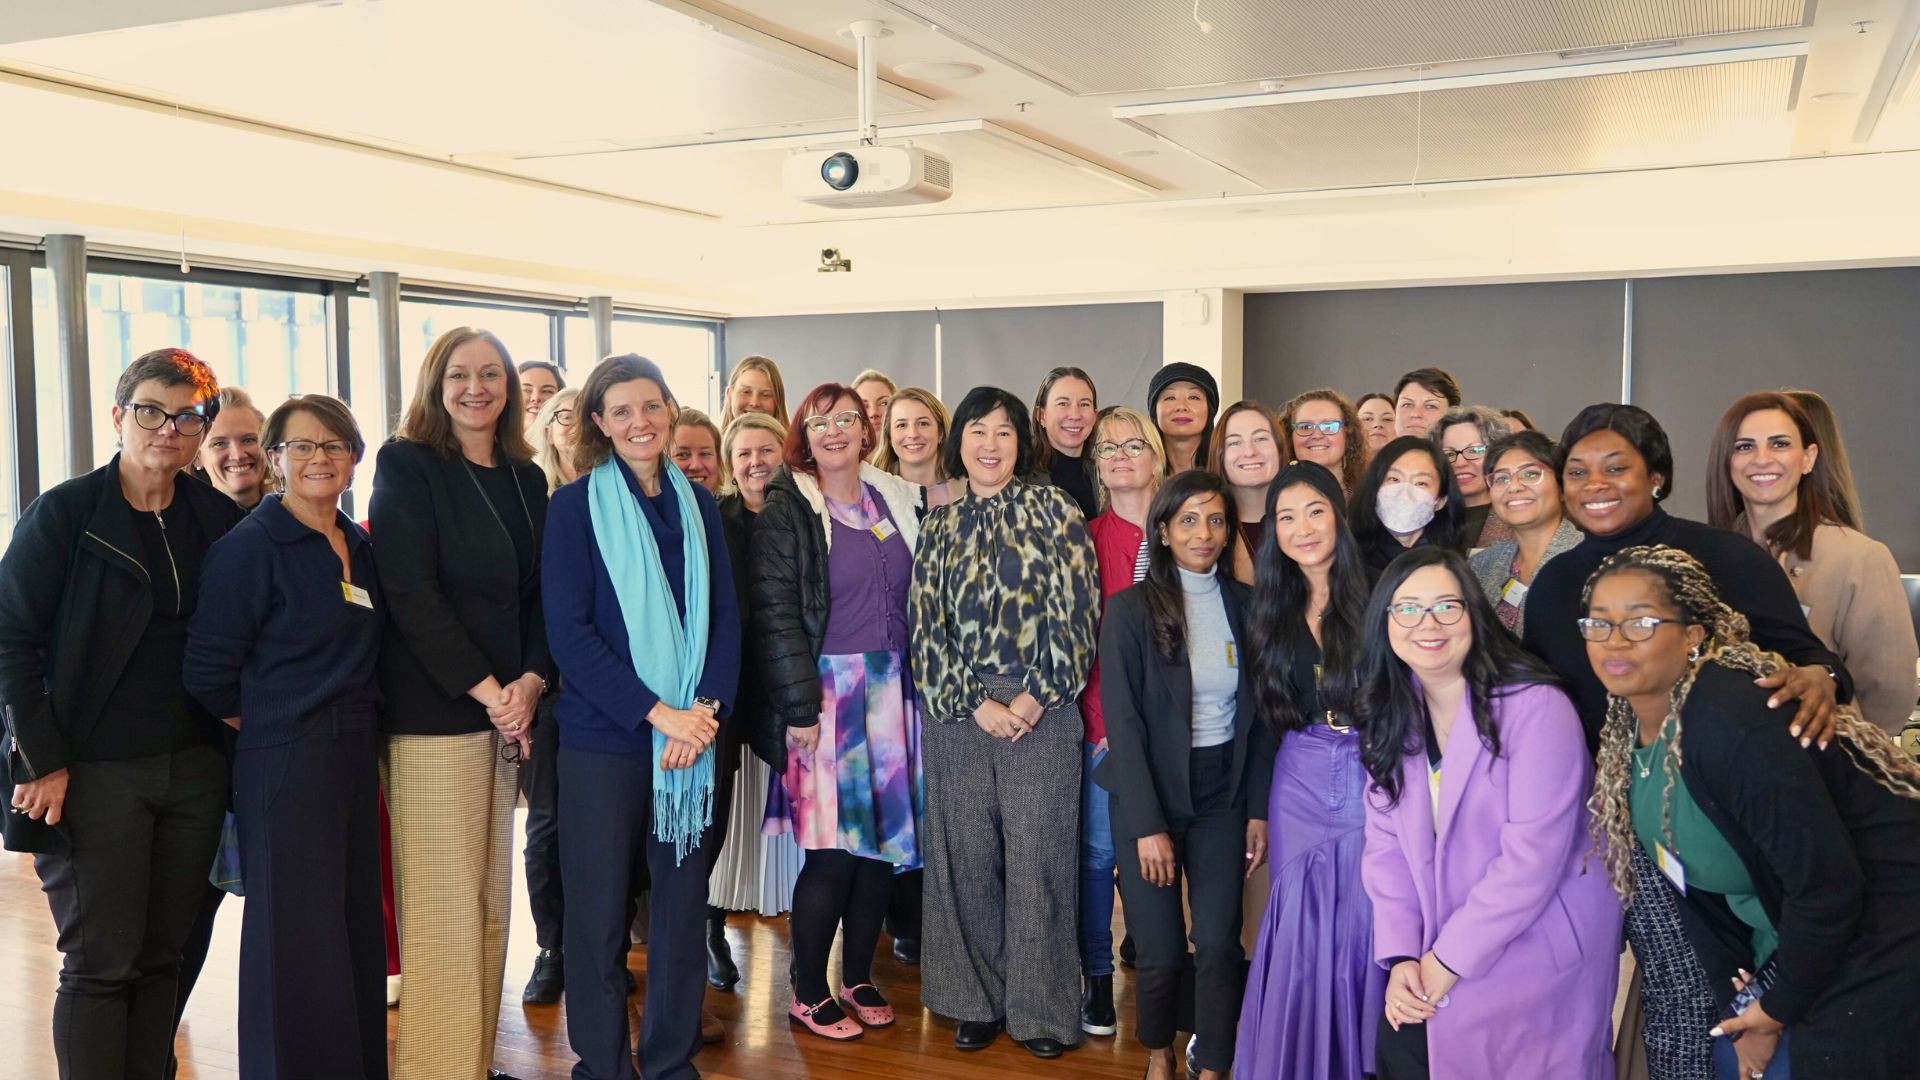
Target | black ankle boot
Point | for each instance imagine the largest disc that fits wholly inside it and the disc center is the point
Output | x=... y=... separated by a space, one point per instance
x=1096 y=1006
x=549 y=978
x=722 y=973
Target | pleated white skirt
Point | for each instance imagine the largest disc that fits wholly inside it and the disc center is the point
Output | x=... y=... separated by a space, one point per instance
x=755 y=872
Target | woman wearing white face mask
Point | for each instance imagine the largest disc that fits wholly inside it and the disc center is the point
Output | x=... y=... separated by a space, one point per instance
x=1406 y=499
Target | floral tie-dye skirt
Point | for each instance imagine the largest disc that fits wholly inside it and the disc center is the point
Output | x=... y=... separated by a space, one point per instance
x=863 y=789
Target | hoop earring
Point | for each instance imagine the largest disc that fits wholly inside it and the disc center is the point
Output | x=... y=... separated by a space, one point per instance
x=1693 y=655
x=1656 y=491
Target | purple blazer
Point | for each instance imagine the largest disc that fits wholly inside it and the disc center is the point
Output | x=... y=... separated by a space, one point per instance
x=1506 y=895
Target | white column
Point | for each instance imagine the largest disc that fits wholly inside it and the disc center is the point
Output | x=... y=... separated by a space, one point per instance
x=1204 y=327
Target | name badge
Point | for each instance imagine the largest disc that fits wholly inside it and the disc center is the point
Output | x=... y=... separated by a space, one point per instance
x=1515 y=594
x=883 y=529
x=1671 y=866
x=1233 y=655
x=354 y=594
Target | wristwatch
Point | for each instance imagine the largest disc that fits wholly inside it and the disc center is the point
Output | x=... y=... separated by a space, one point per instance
x=712 y=705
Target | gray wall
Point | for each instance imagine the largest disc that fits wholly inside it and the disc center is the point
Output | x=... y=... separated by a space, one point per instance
x=1548 y=348
x=815 y=349
x=1852 y=335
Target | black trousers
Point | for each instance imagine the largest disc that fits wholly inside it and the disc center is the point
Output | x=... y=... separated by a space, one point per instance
x=124 y=890
x=1209 y=851
x=313 y=958
x=540 y=783
x=903 y=907
x=1401 y=1055
x=606 y=804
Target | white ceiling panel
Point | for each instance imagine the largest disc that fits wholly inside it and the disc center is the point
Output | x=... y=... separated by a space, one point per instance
x=469 y=76
x=1721 y=112
x=1107 y=46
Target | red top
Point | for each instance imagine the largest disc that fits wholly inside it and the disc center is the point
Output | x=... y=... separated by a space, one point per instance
x=1117 y=545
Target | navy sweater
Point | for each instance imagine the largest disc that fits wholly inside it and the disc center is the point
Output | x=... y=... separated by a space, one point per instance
x=603 y=703
x=273 y=638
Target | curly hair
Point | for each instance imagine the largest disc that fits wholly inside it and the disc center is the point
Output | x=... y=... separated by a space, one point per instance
x=1691 y=589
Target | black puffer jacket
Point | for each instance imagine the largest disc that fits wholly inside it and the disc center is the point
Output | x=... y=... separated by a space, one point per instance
x=787 y=579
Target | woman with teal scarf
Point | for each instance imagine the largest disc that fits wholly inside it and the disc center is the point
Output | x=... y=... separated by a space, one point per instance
x=644 y=625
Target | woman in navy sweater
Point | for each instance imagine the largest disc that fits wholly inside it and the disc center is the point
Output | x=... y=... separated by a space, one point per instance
x=284 y=646
x=636 y=554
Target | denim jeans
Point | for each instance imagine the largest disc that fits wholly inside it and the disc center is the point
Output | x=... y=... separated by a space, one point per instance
x=1096 y=870
x=1727 y=1066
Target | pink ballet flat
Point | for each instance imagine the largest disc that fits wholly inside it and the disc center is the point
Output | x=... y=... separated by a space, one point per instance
x=880 y=1015
x=841 y=1030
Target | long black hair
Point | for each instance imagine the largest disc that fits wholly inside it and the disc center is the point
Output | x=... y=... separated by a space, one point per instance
x=1166 y=598
x=1364 y=514
x=1279 y=629
x=1392 y=710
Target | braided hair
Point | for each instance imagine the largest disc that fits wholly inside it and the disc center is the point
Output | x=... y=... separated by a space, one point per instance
x=1728 y=644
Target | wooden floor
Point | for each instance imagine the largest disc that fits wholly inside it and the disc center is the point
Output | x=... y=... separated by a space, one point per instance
x=533 y=1039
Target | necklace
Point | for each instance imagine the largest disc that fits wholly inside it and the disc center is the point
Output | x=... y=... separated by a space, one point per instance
x=1646 y=770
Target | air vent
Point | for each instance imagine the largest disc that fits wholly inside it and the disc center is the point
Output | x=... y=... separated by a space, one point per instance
x=939 y=171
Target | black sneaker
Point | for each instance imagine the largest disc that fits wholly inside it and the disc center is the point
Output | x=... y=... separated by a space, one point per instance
x=549 y=978
x=1096 y=1006
x=1126 y=952
x=907 y=951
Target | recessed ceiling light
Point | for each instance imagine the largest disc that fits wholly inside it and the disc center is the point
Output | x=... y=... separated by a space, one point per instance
x=1140 y=153
x=937 y=70
x=1836 y=95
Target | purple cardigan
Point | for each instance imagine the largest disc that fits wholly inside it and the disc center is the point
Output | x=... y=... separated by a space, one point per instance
x=1506 y=895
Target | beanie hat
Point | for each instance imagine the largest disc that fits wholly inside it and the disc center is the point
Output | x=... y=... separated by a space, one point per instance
x=1199 y=376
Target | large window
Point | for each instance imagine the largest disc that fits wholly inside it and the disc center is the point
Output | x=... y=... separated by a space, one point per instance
x=6 y=410
x=684 y=351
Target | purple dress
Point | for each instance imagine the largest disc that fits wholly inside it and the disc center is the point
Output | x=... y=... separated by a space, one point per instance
x=1314 y=994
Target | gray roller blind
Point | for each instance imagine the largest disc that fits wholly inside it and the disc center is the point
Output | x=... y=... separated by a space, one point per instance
x=814 y=349
x=1549 y=348
x=1852 y=335
x=1118 y=344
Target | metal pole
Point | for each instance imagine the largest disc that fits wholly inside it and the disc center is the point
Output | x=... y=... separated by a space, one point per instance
x=600 y=310
x=1626 y=344
x=865 y=32
x=67 y=260
x=26 y=432
x=383 y=287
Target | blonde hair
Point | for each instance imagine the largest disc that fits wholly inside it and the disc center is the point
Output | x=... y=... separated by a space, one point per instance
x=1727 y=643
x=745 y=421
x=696 y=418
x=1114 y=415
x=888 y=461
x=427 y=421
x=873 y=375
x=765 y=366
x=232 y=397
x=549 y=454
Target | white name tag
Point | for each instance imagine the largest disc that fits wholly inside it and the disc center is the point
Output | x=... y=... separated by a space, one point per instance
x=354 y=594
x=883 y=529
x=1671 y=866
x=1515 y=594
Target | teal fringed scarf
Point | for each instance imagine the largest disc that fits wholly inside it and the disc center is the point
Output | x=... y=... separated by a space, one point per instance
x=669 y=653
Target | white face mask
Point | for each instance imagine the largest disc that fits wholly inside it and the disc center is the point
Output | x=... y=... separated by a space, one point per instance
x=1404 y=508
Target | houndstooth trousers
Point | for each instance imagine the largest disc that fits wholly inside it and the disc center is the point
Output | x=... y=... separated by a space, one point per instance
x=1001 y=845
x=1679 y=1003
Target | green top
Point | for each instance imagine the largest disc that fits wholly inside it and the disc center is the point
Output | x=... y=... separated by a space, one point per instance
x=1709 y=862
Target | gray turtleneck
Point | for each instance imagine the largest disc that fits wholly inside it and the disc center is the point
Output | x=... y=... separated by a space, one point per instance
x=1213 y=657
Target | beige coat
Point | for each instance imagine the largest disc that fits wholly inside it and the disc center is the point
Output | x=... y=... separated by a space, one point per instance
x=1854 y=601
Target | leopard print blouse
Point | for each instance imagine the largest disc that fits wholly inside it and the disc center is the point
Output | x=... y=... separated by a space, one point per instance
x=1003 y=586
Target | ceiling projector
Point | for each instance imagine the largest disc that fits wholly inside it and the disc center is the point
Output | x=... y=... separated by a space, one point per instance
x=866 y=176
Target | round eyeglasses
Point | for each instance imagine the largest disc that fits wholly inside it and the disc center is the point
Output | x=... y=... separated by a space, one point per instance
x=842 y=420
x=1529 y=475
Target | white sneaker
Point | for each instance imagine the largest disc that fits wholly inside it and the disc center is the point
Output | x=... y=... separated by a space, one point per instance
x=393 y=991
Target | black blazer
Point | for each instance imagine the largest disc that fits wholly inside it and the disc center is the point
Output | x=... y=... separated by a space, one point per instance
x=1148 y=705
x=787 y=625
x=750 y=701
x=74 y=600
x=457 y=608
x=1835 y=861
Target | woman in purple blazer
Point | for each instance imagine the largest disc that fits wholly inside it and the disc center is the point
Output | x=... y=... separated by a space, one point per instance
x=1497 y=925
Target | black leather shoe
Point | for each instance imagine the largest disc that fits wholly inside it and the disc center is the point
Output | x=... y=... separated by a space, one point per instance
x=549 y=978
x=722 y=972
x=633 y=985
x=1044 y=1047
x=977 y=1034
x=1096 y=1006
x=907 y=951
x=1126 y=952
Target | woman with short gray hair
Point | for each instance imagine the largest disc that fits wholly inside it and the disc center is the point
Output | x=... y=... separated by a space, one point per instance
x=1462 y=436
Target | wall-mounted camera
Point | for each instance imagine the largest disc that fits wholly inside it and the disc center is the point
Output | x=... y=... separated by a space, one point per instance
x=832 y=262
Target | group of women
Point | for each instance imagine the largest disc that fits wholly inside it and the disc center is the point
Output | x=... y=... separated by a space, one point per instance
x=1336 y=672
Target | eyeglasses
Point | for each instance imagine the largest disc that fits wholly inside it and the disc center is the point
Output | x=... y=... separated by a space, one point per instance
x=1324 y=427
x=1444 y=612
x=1475 y=452
x=1107 y=451
x=153 y=418
x=1530 y=475
x=563 y=417
x=842 y=420
x=1639 y=628
x=302 y=449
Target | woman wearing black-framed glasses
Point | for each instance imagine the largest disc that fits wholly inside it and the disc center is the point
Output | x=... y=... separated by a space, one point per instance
x=113 y=773
x=1463 y=437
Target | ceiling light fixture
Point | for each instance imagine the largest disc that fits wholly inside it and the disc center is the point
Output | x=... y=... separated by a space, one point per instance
x=1836 y=95
x=1423 y=84
x=1205 y=26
